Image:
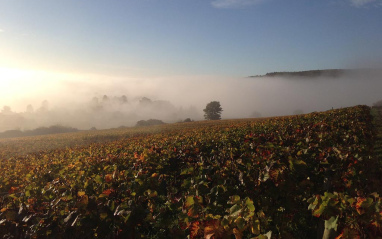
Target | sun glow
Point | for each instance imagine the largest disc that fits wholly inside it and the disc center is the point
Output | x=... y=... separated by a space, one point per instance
x=19 y=85
x=12 y=81
x=9 y=74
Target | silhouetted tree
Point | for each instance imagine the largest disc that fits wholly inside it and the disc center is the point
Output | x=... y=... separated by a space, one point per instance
x=44 y=106
x=123 y=99
x=54 y=129
x=213 y=111
x=145 y=101
x=30 y=108
x=105 y=98
x=95 y=104
x=149 y=122
x=378 y=104
x=6 y=110
x=11 y=133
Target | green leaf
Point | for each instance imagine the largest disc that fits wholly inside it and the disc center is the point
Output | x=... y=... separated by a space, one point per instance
x=235 y=210
x=234 y=199
x=269 y=235
x=225 y=222
x=12 y=196
x=189 y=170
x=320 y=210
x=249 y=204
x=98 y=179
x=327 y=195
x=331 y=223
x=367 y=203
x=151 y=193
x=261 y=237
x=314 y=201
x=351 y=201
x=240 y=223
x=295 y=164
x=186 y=183
x=265 y=236
x=189 y=201
x=103 y=215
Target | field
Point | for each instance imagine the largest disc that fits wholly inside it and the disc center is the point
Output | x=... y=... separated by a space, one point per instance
x=303 y=176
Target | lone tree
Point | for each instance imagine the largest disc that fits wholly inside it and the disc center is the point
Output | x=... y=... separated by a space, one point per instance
x=213 y=111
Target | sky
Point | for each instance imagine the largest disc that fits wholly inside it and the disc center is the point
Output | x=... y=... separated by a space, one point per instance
x=92 y=47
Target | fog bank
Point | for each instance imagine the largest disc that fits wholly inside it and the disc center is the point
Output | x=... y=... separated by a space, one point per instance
x=105 y=102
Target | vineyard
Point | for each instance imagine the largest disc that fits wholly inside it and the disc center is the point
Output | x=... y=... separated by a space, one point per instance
x=306 y=176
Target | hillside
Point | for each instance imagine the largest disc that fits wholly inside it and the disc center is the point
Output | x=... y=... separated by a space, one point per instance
x=282 y=177
x=329 y=73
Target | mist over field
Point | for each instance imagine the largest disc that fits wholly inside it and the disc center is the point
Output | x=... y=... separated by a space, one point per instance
x=112 y=102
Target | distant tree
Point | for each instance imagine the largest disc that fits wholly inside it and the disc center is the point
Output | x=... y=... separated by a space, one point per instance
x=54 y=129
x=95 y=104
x=123 y=99
x=30 y=108
x=213 y=111
x=145 y=101
x=149 y=122
x=95 y=101
x=188 y=120
x=378 y=104
x=6 y=110
x=11 y=133
x=44 y=106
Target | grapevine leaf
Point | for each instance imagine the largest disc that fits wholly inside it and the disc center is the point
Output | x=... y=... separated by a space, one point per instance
x=331 y=223
x=235 y=210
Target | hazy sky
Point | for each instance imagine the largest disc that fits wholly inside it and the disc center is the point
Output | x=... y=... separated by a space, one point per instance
x=47 y=46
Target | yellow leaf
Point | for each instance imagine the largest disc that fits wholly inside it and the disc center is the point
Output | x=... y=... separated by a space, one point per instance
x=81 y=193
x=83 y=202
x=103 y=215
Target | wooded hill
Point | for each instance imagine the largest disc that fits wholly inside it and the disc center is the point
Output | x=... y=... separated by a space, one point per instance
x=332 y=73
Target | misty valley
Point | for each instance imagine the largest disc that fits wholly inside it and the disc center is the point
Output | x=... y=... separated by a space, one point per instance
x=285 y=155
x=100 y=113
x=193 y=119
x=274 y=94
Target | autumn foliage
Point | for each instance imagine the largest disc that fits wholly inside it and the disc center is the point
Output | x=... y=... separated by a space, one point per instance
x=272 y=178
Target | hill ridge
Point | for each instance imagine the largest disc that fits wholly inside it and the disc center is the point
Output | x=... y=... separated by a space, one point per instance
x=332 y=73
